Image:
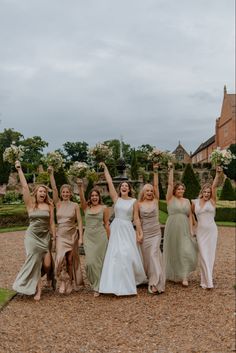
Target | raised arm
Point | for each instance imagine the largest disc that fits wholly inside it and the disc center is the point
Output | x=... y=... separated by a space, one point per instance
x=25 y=188
x=169 y=194
x=219 y=171
x=155 y=181
x=112 y=190
x=106 y=216
x=80 y=224
x=83 y=202
x=53 y=185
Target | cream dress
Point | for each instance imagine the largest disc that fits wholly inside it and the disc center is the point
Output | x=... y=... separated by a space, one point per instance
x=207 y=234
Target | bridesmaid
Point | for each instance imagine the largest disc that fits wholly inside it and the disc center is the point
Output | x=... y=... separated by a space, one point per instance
x=206 y=230
x=150 y=246
x=67 y=256
x=37 y=238
x=180 y=248
x=96 y=235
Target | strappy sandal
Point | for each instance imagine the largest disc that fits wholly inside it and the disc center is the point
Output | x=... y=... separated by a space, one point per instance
x=150 y=291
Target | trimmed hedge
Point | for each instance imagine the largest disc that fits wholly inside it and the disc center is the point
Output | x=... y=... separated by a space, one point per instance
x=20 y=219
x=223 y=214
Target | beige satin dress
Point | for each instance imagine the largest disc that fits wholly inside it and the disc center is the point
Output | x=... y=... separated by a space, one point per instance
x=152 y=256
x=67 y=240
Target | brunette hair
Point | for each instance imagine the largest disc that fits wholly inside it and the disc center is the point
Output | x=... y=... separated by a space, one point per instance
x=47 y=199
x=130 y=193
x=176 y=185
x=89 y=196
x=141 y=195
x=205 y=186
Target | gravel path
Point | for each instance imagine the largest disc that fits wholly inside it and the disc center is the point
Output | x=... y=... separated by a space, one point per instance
x=184 y=320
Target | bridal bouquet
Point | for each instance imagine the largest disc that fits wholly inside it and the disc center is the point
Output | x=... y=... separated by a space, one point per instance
x=221 y=157
x=54 y=159
x=78 y=169
x=161 y=157
x=13 y=153
x=100 y=153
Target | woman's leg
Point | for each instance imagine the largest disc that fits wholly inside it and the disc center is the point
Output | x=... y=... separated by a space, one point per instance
x=69 y=261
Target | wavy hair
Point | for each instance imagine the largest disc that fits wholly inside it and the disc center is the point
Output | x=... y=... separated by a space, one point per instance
x=89 y=202
x=176 y=185
x=68 y=186
x=130 y=193
x=47 y=199
x=142 y=192
x=204 y=187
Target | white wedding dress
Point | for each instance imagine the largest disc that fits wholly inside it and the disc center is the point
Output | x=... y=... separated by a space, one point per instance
x=122 y=268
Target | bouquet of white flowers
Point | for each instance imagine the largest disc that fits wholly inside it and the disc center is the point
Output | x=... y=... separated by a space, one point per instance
x=100 y=153
x=13 y=153
x=78 y=169
x=221 y=157
x=161 y=157
x=54 y=159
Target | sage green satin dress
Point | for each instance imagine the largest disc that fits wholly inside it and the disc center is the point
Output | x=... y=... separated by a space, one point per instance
x=180 y=248
x=95 y=245
x=37 y=244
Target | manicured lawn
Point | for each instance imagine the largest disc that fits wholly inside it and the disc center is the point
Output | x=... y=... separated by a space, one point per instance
x=5 y=296
x=12 y=229
x=11 y=209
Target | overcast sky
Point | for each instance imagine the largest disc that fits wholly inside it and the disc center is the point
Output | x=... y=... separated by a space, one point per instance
x=152 y=71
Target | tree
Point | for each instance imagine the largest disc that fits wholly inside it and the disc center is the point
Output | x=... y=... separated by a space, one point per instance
x=7 y=137
x=191 y=183
x=227 y=192
x=142 y=155
x=76 y=151
x=134 y=165
x=33 y=151
x=231 y=168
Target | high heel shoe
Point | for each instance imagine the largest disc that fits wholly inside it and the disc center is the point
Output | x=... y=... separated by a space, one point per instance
x=151 y=291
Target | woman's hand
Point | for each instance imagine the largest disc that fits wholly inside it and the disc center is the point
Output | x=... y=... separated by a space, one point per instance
x=54 y=244
x=79 y=182
x=102 y=165
x=50 y=170
x=156 y=166
x=17 y=165
x=219 y=169
x=139 y=237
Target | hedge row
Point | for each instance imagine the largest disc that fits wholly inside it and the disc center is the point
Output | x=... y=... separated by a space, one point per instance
x=223 y=214
x=20 y=219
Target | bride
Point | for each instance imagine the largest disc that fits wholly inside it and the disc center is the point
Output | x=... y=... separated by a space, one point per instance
x=122 y=268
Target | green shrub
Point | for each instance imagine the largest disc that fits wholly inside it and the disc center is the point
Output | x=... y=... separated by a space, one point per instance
x=227 y=192
x=42 y=178
x=225 y=214
x=163 y=206
x=12 y=197
x=20 y=219
x=106 y=199
x=191 y=183
x=29 y=177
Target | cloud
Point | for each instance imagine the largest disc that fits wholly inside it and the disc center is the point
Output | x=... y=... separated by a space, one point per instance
x=151 y=71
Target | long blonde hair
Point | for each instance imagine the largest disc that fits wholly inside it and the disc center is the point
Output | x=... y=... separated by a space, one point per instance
x=141 y=194
x=205 y=186
x=47 y=200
